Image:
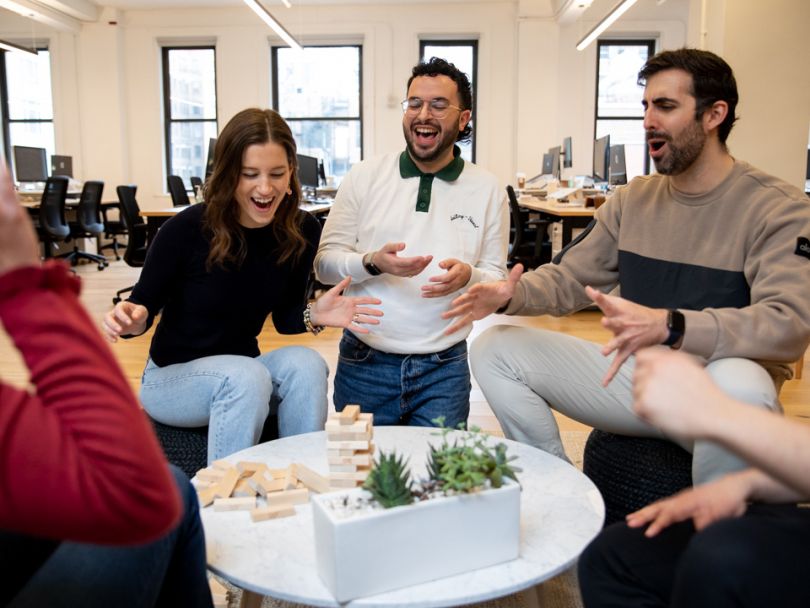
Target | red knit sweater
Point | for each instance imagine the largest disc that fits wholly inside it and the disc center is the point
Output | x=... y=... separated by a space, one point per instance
x=78 y=459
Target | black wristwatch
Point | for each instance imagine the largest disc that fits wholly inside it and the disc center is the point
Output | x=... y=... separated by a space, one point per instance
x=370 y=266
x=676 y=324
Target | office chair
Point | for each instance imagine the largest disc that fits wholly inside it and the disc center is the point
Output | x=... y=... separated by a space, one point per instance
x=529 y=244
x=88 y=224
x=195 y=182
x=52 y=227
x=135 y=253
x=178 y=191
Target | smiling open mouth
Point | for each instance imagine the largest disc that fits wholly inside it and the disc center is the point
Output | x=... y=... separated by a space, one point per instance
x=261 y=203
x=425 y=134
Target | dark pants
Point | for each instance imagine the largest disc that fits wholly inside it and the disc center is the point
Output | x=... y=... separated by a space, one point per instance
x=167 y=572
x=757 y=560
x=404 y=389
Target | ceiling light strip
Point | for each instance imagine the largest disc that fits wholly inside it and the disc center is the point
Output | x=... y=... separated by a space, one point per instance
x=265 y=16
x=10 y=46
x=618 y=10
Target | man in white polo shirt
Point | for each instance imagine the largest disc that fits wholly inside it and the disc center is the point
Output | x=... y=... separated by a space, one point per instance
x=415 y=229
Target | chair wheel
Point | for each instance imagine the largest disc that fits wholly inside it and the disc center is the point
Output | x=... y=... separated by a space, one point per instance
x=101 y=266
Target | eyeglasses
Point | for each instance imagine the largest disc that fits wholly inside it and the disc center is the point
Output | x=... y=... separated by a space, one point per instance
x=437 y=107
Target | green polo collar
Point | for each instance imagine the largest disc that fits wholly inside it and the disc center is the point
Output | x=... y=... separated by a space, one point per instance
x=448 y=173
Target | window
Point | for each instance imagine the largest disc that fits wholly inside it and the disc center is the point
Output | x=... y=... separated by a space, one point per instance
x=464 y=55
x=190 y=109
x=27 y=104
x=618 y=99
x=319 y=94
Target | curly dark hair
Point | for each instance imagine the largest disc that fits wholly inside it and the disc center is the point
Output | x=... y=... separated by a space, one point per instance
x=712 y=80
x=438 y=66
x=249 y=127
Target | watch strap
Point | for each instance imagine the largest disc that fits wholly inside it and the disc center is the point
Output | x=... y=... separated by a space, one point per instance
x=370 y=266
x=676 y=324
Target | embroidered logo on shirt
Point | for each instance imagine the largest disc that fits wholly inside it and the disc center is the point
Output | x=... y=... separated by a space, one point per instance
x=803 y=247
x=458 y=216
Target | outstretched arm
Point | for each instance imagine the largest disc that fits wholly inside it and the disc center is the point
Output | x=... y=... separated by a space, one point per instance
x=78 y=458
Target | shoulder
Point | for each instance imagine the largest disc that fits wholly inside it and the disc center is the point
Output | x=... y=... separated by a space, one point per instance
x=189 y=218
x=310 y=226
x=374 y=166
x=478 y=174
x=768 y=184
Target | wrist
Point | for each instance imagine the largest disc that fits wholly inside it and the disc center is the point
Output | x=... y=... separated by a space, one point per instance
x=310 y=324
x=370 y=266
x=675 y=328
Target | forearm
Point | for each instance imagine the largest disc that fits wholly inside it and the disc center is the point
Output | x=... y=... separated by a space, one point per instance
x=79 y=460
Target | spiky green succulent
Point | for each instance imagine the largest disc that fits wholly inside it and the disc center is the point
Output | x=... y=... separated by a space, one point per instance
x=390 y=481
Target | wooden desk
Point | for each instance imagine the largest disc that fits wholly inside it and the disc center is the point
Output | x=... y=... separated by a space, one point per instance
x=570 y=216
x=155 y=218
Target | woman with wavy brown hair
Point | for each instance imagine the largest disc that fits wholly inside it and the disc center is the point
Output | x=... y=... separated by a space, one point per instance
x=214 y=273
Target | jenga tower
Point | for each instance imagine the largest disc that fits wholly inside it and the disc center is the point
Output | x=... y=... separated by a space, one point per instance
x=349 y=447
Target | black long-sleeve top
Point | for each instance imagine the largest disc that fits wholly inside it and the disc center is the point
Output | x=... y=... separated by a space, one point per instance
x=221 y=311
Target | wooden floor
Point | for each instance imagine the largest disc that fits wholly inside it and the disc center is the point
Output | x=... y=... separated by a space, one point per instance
x=100 y=286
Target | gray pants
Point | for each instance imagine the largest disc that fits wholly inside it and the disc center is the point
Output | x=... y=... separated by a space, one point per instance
x=525 y=373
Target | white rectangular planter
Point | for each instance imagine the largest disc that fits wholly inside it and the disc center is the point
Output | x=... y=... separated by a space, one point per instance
x=387 y=549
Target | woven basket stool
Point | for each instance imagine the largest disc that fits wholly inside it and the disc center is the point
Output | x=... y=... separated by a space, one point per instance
x=187 y=448
x=632 y=472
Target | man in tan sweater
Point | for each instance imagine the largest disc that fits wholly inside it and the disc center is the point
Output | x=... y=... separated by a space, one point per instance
x=711 y=255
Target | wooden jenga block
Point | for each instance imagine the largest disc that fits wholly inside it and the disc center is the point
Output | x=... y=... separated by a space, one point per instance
x=222 y=465
x=349 y=414
x=343 y=483
x=243 y=488
x=334 y=426
x=276 y=473
x=247 y=468
x=205 y=496
x=361 y=460
x=259 y=482
x=243 y=503
x=340 y=453
x=288 y=497
x=290 y=480
x=218 y=591
x=311 y=479
x=225 y=487
x=272 y=512
x=365 y=436
x=342 y=468
x=356 y=475
x=348 y=445
x=210 y=474
x=368 y=416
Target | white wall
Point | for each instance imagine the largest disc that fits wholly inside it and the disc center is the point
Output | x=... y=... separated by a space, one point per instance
x=534 y=88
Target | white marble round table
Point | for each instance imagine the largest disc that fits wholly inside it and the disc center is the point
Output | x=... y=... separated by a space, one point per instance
x=560 y=512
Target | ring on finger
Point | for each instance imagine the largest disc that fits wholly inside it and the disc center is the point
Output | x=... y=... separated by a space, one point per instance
x=355 y=317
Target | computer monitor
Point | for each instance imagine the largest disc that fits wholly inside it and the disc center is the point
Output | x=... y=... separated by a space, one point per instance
x=308 y=171
x=61 y=165
x=601 y=158
x=568 y=155
x=548 y=163
x=209 y=162
x=30 y=164
x=618 y=168
x=555 y=160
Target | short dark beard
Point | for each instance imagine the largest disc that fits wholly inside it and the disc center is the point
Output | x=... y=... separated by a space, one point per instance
x=685 y=153
x=448 y=140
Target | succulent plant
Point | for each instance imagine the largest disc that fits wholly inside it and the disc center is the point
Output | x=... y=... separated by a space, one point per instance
x=389 y=481
x=468 y=463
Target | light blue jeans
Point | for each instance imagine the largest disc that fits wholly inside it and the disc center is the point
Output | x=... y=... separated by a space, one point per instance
x=231 y=394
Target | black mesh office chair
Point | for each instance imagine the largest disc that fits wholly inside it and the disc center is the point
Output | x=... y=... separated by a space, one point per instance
x=88 y=224
x=52 y=227
x=529 y=243
x=178 y=191
x=135 y=253
x=195 y=182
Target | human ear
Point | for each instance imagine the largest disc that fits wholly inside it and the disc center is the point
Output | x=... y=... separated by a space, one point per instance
x=714 y=116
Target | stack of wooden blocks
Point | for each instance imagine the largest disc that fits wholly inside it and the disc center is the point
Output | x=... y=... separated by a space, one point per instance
x=218 y=593
x=238 y=487
x=350 y=448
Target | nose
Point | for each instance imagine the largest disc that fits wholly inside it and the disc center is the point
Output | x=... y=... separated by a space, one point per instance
x=649 y=120
x=425 y=109
x=265 y=185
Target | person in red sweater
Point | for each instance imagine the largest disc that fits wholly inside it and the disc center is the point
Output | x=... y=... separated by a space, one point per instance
x=90 y=512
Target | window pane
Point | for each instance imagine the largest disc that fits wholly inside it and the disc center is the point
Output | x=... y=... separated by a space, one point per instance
x=29 y=86
x=335 y=142
x=189 y=148
x=631 y=134
x=192 y=83
x=619 y=93
x=321 y=81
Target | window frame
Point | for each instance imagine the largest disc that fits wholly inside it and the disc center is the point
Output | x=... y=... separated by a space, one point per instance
x=471 y=42
x=274 y=49
x=650 y=43
x=6 y=119
x=168 y=121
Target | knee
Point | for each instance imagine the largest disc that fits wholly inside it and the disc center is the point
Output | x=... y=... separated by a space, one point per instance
x=250 y=379
x=487 y=345
x=720 y=558
x=303 y=361
x=744 y=380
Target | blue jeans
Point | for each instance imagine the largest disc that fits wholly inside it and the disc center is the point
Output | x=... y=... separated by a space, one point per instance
x=168 y=572
x=404 y=389
x=231 y=394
